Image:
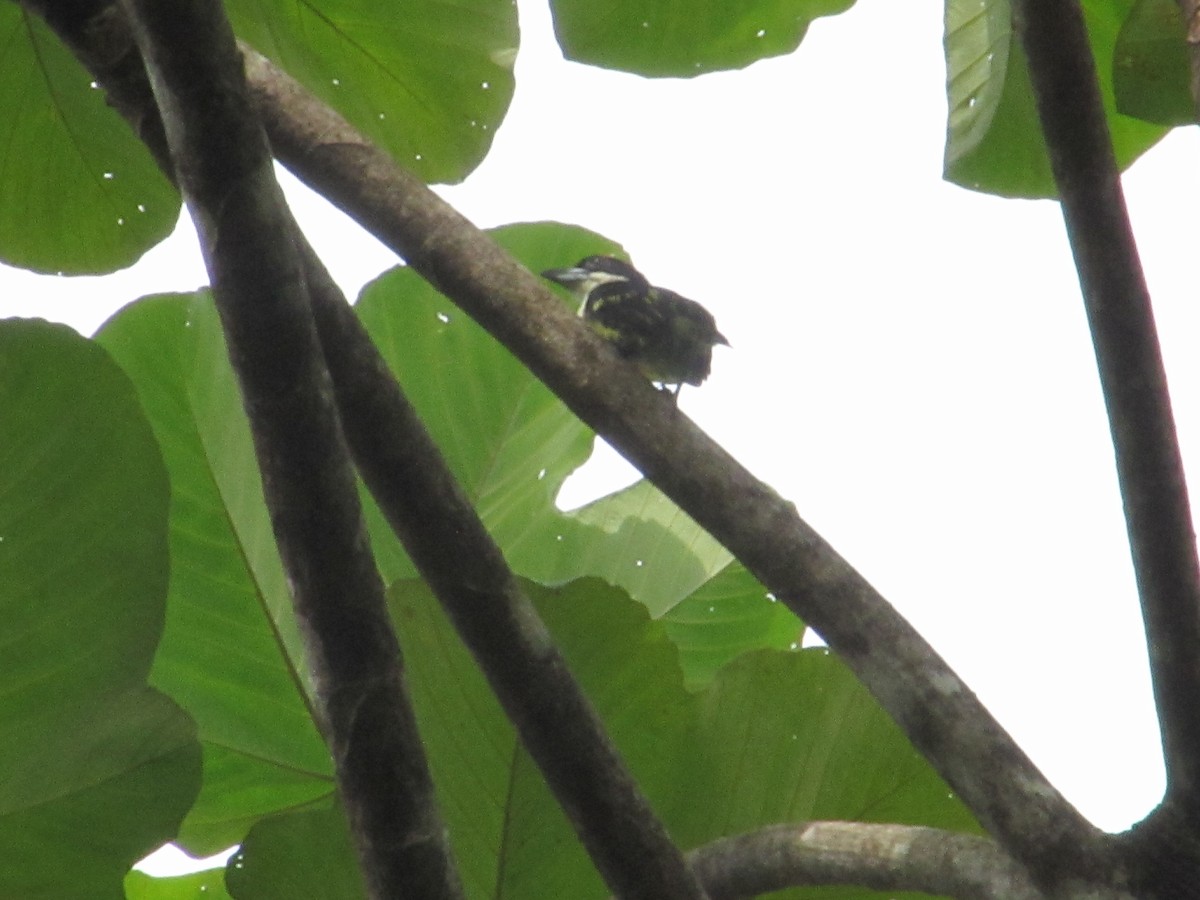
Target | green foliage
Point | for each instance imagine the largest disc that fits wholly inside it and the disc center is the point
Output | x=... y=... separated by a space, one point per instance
x=662 y=38
x=99 y=768
x=79 y=193
x=994 y=140
x=429 y=81
x=696 y=671
x=305 y=853
x=776 y=736
x=1150 y=66
x=207 y=885
x=231 y=653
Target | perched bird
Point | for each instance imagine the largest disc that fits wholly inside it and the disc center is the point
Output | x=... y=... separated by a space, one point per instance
x=669 y=337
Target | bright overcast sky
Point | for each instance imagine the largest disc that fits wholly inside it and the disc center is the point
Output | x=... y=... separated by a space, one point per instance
x=910 y=363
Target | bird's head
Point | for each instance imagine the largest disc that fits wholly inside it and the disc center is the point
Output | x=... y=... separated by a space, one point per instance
x=668 y=337
x=592 y=271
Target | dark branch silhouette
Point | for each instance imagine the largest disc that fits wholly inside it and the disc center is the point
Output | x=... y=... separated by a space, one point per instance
x=222 y=163
x=1149 y=466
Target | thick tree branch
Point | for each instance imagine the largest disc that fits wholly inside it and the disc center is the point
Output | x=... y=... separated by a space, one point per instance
x=1149 y=466
x=880 y=857
x=223 y=165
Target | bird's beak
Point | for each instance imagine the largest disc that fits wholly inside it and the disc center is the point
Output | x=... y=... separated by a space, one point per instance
x=567 y=277
x=720 y=339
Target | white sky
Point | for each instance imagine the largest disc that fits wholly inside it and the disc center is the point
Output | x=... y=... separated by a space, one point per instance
x=910 y=362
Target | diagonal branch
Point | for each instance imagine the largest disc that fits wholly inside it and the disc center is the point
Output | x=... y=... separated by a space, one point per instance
x=1149 y=467
x=223 y=165
x=408 y=476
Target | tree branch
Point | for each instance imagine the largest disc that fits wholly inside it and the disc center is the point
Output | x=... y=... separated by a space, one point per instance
x=222 y=163
x=940 y=715
x=937 y=712
x=454 y=553
x=880 y=857
x=1149 y=466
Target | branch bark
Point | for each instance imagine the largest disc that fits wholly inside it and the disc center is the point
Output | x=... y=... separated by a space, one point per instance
x=940 y=715
x=1149 y=466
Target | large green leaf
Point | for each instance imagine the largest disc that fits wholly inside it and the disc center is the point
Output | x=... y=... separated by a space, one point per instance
x=232 y=656
x=99 y=768
x=667 y=38
x=994 y=140
x=231 y=653
x=775 y=737
x=78 y=192
x=206 y=885
x=429 y=80
x=300 y=854
x=789 y=736
x=727 y=616
x=1151 y=72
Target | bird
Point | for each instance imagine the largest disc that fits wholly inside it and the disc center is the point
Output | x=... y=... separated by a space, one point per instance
x=668 y=337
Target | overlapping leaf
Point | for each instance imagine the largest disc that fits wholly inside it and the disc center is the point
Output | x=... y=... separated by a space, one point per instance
x=430 y=80
x=994 y=141
x=775 y=736
x=511 y=443
x=99 y=768
x=78 y=191
x=231 y=654
x=1150 y=65
x=664 y=38
x=207 y=885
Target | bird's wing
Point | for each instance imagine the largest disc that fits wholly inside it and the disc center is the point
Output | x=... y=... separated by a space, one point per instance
x=626 y=315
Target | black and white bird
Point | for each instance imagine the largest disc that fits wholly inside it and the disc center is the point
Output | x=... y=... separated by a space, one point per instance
x=668 y=337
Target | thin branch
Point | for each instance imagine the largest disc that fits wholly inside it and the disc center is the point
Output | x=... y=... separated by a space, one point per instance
x=1149 y=466
x=880 y=857
x=223 y=165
